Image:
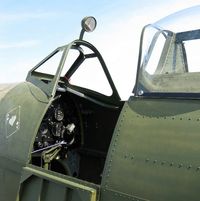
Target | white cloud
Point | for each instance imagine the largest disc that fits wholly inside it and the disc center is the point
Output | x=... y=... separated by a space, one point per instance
x=5 y=17
x=20 y=44
x=119 y=44
x=16 y=70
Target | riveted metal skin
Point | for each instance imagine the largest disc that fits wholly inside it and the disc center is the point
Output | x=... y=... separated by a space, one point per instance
x=16 y=130
x=19 y=180
x=154 y=154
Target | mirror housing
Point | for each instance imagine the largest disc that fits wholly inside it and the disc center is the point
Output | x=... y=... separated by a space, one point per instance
x=88 y=25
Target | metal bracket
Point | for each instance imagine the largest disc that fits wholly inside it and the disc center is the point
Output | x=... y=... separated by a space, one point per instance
x=49 y=155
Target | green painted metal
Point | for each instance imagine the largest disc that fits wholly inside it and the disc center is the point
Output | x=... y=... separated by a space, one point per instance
x=5 y=88
x=40 y=185
x=15 y=106
x=18 y=105
x=17 y=180
x=155 y=151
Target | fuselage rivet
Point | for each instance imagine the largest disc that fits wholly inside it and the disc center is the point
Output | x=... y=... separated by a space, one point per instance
x=180 y=165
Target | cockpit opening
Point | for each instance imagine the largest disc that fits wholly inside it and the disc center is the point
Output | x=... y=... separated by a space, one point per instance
x=76 y=131
x=74 y=137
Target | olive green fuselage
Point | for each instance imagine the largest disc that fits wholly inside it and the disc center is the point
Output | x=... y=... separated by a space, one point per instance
x=21 y=113
x=153 y=154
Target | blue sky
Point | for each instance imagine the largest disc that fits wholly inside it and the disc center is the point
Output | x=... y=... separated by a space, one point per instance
x=30 y=30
